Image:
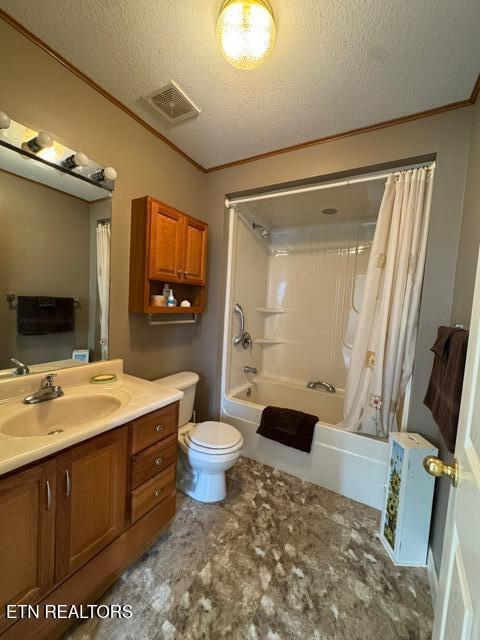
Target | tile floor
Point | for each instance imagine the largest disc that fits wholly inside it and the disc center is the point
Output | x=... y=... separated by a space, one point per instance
x=279 y=559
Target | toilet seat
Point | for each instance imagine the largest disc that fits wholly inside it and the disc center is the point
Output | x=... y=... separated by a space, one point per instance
x=213 y=438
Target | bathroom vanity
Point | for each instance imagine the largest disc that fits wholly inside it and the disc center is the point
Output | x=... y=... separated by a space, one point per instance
x=81 y=501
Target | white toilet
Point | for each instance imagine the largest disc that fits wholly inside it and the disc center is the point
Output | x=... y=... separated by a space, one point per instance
x=207 y=449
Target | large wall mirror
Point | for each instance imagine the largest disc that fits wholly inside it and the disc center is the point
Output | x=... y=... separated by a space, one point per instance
x=55 y=221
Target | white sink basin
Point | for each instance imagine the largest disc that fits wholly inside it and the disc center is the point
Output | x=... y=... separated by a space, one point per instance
x=59 y=415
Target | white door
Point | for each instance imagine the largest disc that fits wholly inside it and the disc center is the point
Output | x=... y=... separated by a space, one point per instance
x=457 y=613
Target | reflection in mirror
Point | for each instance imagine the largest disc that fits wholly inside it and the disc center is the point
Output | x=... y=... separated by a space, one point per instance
x=54 y=274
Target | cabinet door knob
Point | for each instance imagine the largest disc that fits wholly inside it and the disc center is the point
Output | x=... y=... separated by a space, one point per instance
x=186 y=273
x=157 y=492
x=49 y=495
x=159 y=428
x=158 y=461
x=180 y=272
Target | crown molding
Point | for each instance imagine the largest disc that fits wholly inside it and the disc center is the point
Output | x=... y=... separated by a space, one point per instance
x=75 y=70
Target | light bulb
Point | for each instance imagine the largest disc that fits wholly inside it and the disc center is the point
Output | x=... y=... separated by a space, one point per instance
x=42 y=140
x=4 y=120
x=75 y=160
x=108 y=173
x=246 y=32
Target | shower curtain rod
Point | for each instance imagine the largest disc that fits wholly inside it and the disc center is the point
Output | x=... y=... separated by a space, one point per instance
x=231 y=202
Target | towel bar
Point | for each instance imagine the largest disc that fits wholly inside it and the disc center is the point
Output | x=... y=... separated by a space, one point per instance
x=152 y=323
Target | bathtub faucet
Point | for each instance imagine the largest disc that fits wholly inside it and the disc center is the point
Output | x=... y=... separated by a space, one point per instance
x=250 y=370
x=321 y=385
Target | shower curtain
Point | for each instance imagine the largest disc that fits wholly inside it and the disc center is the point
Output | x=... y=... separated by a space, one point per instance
x=103 y=282
x=383 y=350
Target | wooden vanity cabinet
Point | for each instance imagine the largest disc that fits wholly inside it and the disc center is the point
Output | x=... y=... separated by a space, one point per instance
x=166 y=246
x=27 y=536
x=91 y=481
x=71 y=525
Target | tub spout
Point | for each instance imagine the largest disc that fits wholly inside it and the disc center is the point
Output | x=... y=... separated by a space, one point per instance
x=319 y=384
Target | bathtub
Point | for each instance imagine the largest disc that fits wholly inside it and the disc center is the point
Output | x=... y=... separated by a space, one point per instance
x=351 y=464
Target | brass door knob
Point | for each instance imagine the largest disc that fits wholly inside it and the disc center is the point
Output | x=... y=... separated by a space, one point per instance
x=436 y=467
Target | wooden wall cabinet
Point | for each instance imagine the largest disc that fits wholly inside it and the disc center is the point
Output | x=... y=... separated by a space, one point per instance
x=71 y=525
x=166 y=246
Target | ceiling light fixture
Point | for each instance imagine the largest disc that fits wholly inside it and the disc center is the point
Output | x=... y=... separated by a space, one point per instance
x=246 y=32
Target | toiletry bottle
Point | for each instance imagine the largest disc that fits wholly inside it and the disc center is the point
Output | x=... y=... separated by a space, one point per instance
x=171 y=299
x=166 y=290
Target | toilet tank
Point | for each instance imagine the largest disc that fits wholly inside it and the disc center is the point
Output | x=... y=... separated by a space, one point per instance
x=185 y=381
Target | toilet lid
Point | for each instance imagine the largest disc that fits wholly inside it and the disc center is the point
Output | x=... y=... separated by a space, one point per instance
x=215 y=435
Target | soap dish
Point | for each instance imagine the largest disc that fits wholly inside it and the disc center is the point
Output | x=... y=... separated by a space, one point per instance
x=103 y=378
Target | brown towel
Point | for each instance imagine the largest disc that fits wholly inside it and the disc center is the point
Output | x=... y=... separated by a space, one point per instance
x=39 y=315
x=289 y=427
x=444 y=391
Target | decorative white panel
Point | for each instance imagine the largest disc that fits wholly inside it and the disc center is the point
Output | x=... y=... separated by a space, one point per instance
x=458 y=622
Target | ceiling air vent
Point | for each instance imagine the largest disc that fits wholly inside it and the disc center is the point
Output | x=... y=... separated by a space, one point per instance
x=173 y=103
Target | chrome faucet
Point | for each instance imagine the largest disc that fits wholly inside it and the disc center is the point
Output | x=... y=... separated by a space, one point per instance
x=252 y=370
x=321 y=385
x=21 y=369
x=47 y=391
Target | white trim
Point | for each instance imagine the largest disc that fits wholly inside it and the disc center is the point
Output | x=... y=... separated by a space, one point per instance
x=228 y=305
x=432 y=576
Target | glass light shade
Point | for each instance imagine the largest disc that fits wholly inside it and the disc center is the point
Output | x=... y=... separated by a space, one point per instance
x=246 y=32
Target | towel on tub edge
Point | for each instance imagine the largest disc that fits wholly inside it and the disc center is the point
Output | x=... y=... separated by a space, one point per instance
x=289 y=427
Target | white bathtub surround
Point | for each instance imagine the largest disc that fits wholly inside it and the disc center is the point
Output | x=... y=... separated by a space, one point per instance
x=384 y=347
x=311 y=273
x=85 y=410
x=348 y=463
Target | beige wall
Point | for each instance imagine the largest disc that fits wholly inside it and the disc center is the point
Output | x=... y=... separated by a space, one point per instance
x=44 y=251
x=40 y=92
x=470 y=231
x=446 y=135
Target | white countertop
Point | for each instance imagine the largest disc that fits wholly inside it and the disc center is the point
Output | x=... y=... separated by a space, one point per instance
x=137 y=396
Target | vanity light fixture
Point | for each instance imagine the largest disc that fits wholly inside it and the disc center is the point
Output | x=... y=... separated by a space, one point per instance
x=108 y=173
x=4 y=120
x=246 y=32
x=75 y=160
x=42 y=140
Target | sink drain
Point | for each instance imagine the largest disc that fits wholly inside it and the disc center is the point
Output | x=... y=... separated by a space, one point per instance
x=54 y=432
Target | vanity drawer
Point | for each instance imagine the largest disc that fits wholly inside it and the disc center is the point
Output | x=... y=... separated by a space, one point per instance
x=152 y=492
x=154 y=426
x=154 y=459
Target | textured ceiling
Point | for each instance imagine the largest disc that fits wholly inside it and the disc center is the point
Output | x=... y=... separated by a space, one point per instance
x=336 y=65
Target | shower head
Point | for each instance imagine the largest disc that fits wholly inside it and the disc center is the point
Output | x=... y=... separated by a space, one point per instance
x=258 y=227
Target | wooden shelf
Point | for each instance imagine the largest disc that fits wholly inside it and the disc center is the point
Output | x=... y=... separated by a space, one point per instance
x=170 y=311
